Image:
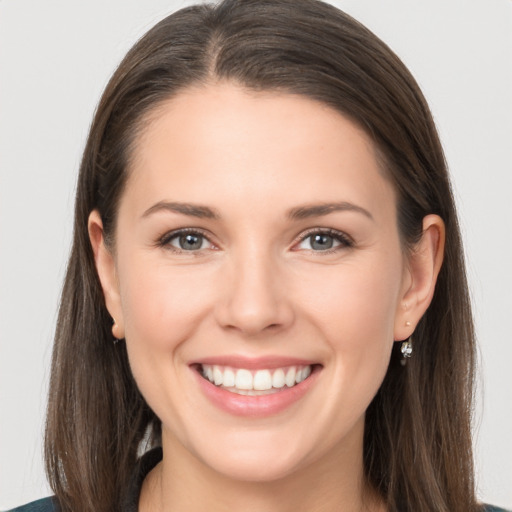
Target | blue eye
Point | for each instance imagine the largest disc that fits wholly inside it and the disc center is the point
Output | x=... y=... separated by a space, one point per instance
x=321 y=242
x=186 y=241
x=324 y=241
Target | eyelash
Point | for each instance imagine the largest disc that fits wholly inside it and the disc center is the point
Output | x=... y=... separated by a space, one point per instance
x=164 y=240
x=344 y=240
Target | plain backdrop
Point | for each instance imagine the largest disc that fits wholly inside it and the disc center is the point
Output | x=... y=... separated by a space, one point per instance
x=55 y=58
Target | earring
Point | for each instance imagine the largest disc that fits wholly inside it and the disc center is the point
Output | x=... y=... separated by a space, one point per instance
x=114 y=327
x=406 y=350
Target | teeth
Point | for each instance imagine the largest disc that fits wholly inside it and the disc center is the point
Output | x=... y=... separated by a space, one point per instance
x=290 y=377
x=217 y=376
x=247 y=382
x=243 y=379
x=229 y=378
x=278 y=379
x=303 y=374
x=262 y=380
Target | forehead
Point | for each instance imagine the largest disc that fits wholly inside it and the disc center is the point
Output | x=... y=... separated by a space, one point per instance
x=281 y=148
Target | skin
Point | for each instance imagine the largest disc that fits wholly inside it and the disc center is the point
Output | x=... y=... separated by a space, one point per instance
x=257 y=287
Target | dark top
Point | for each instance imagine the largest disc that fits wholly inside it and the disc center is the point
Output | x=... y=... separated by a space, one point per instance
x=131 y=500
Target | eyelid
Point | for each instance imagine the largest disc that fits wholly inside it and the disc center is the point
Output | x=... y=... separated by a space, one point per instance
x=163 y=240
x=346 y=240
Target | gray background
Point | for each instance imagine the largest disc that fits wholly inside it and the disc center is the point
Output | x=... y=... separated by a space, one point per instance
x=55 y=59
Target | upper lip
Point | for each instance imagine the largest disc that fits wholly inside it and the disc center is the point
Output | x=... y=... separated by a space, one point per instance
x=253 y=363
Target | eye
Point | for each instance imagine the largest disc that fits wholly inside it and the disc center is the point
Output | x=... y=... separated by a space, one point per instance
x=185 y=240
x=323 y=241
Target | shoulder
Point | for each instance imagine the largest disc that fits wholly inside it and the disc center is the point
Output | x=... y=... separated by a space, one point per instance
x=490 y=508
x=43 y=505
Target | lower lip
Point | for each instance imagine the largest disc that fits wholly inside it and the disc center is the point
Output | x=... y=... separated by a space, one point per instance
x=256 y=406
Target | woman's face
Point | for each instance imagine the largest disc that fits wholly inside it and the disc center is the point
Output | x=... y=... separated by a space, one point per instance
x=257 y=244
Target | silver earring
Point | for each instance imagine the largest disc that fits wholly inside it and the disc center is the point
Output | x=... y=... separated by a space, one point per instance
x=116 y=339
x=406 y=350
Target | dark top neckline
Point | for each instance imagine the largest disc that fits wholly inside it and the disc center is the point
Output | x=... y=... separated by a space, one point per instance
x=130 y=501
x=144 y=465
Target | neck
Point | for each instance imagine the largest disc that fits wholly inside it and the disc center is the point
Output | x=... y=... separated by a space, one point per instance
x=182 y=483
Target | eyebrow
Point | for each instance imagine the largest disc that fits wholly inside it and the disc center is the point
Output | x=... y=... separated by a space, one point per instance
x=317 y=210
x=193 y=210
x=298 y=213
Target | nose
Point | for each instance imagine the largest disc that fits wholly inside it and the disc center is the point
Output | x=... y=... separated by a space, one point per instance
x=254 y=297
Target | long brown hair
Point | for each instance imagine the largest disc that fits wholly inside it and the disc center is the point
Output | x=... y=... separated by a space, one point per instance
x=417 y=445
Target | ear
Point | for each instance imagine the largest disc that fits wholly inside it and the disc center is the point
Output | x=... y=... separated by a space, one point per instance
x=423 y=268
x=105 y=266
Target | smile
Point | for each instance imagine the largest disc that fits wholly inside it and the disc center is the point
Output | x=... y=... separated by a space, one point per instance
x=255 y=382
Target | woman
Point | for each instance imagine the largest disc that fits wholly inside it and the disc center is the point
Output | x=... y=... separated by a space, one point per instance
x=266 y=284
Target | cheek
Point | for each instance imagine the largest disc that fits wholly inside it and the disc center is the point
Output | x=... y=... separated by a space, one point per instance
x=356 y=314
x=162 y=305
x=354 y=308
x=362 y=297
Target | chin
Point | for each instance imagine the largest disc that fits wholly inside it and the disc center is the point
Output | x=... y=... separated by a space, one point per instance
x=257 y=455
x=256 y=467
